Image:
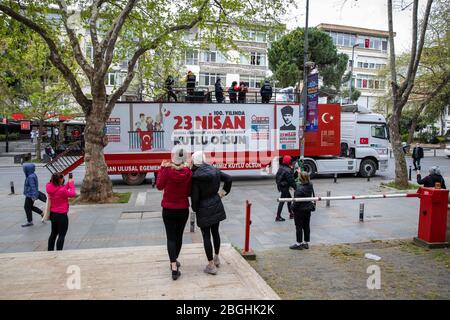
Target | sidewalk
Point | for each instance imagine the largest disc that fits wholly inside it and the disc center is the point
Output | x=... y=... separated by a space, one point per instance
x=8 y=161
x=129 y=273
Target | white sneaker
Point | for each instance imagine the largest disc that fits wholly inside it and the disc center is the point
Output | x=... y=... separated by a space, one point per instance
x=211 y=270
x=217 y=261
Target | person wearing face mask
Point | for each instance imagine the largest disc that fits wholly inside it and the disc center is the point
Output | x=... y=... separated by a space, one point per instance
x=58 y=196
x=206 y=202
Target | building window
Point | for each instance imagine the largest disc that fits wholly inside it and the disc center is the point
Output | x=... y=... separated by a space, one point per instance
x=251 y=35
x=191 y=57
x=210 y=56
x=252 y=81
x=364 y=81
x=257 y=59
x=209 y=79
x=343 y=39
x=89 y=51
x=111 y=79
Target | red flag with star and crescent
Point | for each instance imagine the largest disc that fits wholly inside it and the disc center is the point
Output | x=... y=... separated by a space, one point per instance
x=146 y=140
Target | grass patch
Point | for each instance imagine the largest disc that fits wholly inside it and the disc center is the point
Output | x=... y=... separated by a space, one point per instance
x=344 y=252
x=393 y=185
x=410 y=246
x=442 y=257
x=118 y=197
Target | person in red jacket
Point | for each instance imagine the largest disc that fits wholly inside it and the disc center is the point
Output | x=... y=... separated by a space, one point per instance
x=58 y=195
x=175 y=179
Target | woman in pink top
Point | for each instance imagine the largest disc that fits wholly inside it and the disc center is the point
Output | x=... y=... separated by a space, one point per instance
x=58 y=195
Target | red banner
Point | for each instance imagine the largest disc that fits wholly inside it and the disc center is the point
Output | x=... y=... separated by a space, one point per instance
x=25 y=125
x=18 y=116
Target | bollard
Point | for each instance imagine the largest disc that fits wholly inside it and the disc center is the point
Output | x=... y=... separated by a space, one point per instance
x=368 y=179
x=12 y=187
x=435 y=152
x=335 y=178
x=247 y=253
x=192 y=221
x=328 y=201
x=361 y=212
x=409 y=175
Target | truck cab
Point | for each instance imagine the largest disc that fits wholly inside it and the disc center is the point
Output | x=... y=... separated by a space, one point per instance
x=364 y=145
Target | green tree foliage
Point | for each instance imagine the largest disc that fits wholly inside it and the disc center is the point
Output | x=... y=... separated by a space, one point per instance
x=286 y=60
x=127 y=30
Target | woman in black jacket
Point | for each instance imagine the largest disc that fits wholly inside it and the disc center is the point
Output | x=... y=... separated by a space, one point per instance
x=302 y=211
x=206 y=202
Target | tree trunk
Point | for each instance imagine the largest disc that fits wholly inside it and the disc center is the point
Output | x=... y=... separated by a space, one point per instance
x=61 y=133
x=401 y=172
x=97 y=186
x=412 y=129
x=39 y=140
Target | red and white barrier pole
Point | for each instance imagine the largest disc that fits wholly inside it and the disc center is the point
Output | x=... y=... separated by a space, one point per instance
x=247 y=253
x=353 y=197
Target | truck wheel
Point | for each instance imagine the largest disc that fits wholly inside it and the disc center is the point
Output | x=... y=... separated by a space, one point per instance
x=133 y=179
x=367 y=168
x=310 y=167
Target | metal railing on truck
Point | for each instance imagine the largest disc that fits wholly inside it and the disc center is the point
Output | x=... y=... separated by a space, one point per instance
x=207 y=95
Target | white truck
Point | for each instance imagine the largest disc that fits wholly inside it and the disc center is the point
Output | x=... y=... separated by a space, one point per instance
x=364 y=145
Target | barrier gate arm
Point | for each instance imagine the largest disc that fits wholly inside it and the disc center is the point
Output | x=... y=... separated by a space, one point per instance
x=353 y=197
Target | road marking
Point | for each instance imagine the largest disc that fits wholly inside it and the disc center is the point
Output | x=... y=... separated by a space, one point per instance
x=140 y=200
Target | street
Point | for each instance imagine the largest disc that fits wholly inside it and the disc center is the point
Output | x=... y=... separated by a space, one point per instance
x=139 y=222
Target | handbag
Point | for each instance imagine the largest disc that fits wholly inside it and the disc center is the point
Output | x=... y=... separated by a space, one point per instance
x=42 y=197
x=312 y=206
x=46 y=213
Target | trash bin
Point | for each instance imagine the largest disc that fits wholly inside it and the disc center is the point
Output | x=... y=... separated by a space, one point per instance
x=432 y=230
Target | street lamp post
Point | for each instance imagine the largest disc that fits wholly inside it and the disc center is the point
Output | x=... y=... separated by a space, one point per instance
x=351 y=71
x=305 y=79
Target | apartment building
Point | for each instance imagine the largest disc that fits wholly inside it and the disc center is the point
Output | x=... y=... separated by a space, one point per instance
x=371 y=53
x=249 y=63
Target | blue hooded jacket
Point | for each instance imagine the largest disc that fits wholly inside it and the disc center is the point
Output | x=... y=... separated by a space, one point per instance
x=31 y=187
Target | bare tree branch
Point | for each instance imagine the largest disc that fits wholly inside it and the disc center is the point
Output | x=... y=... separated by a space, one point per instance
x=419 y=51
x=93 y=26
x=154 y=44
x=392 y=65
x=409 y=73
x=55 y=57
x=77 y=53
x=108 y=43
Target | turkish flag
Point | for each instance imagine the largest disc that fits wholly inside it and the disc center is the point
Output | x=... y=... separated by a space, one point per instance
x=367 y=43
x=364 y=140
x=146 y=140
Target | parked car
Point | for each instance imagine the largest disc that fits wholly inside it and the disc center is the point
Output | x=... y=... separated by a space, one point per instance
x=447 y=151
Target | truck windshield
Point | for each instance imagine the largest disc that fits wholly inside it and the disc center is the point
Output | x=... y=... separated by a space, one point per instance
x=379 y=131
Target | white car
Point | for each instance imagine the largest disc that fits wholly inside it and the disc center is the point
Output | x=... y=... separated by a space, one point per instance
x=447 y=151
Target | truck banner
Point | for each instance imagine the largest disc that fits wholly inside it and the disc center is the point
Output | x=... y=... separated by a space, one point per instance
x=312 y=113
x=157 y=127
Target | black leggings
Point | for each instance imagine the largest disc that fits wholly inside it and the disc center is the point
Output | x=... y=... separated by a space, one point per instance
x=301 y=220
x=284 y=194
x=60 y=224
x=174 y=221
x=206 y=232
x=29 y=208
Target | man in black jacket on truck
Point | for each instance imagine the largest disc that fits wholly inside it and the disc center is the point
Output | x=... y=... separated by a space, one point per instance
x=285 y=180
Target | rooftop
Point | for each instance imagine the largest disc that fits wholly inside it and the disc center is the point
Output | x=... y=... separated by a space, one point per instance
x=354 y=30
